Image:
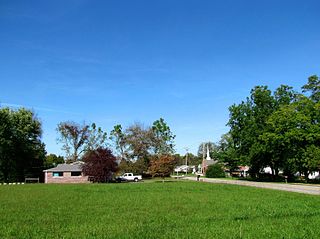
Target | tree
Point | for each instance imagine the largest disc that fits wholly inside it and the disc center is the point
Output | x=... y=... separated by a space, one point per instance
x=96 y=138
x=215 y=171
x=139 y=141
x=21 y=151
x=100 y=165
x=53 y=160
x=202 y=150
x=279 y=130
x=73 y=136
x=313 y=86
x=163 y=141
x=226 y=152
x=78 y=139
x=284 y=95
x=242 y=130
x=249 y=121
x=137 y=167
x=192 y=159
x=118 y=138
x=162 y=165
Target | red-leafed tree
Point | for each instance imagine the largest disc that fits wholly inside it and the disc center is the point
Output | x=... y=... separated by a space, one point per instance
x=162 y=165
x=100 y=165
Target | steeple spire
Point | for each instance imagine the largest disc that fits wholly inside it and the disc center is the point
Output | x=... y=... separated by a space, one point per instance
x=208 y=153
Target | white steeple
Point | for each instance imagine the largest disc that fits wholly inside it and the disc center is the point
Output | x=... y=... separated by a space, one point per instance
x=208 y=153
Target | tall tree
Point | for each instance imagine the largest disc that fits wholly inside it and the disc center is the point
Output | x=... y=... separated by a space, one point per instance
x=313 y=86
x=73 y=137
x=21 y=151
x=248 y=121
x=279 y=131
x=227 y=153
x=202 y=149
x=242 y=129
x=163 y=141
x=77 y=139
x=97 y=138
x=139 y=141
x=118 y=138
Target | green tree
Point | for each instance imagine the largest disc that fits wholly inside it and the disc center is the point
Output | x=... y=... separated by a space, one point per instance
x=73 y=137
x=226 y=152
x=163 y=140
x=22 y=153
x=78 y=139
x=53 y=160
x=192 y=159
x=249 y=127
x=241 y=132
x=117 y=136
x=202 y=149
x=97 y=138
x=279 y=130
x=313 y=86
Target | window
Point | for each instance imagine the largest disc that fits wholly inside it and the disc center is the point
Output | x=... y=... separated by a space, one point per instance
x=57 y=174
x=74 y=174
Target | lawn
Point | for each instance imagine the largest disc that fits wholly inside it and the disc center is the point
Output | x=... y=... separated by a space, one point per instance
x=156 y=210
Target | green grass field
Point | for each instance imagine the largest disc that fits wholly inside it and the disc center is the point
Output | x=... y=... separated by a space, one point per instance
x=155 y=210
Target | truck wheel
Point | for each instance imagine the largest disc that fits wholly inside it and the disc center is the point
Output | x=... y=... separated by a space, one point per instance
x=136 y=179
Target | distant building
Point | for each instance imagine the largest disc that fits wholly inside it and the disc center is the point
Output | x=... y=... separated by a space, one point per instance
x=205 y=164
x=65 y=173
x=184 y=168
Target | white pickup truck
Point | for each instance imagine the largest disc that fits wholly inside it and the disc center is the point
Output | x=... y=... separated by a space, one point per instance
x=129 y=177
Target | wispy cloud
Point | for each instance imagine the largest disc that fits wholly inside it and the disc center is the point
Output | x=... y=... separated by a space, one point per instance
x=46 y=12
x=37 y=108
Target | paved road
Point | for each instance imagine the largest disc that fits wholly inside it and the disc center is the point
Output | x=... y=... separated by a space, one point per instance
x=307 y=189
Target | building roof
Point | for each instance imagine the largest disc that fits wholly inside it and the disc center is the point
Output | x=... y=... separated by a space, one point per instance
x=73 y=167
x=209 y=162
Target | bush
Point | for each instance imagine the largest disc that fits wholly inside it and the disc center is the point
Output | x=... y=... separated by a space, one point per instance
x=215 y=171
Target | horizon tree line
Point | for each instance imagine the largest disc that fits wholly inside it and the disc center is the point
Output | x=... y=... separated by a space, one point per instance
x=277 y=129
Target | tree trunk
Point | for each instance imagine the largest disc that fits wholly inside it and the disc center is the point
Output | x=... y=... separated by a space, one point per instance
x=272 y=172
x=306 y=176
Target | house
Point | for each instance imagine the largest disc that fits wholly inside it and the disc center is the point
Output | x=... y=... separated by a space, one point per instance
x=65 y=173
x=185 y=169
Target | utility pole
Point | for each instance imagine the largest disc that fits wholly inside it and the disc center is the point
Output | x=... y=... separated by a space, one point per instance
x=203 y=151
x=187 y=149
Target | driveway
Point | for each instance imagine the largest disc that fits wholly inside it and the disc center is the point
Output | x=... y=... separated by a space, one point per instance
x=299 y=188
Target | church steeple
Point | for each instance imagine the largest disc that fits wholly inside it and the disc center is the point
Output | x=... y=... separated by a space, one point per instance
x=208 y=153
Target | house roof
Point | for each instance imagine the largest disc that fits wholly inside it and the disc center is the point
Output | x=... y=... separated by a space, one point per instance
x=74 y=167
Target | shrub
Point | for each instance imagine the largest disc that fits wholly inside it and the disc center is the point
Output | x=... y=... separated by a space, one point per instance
x=215 y=171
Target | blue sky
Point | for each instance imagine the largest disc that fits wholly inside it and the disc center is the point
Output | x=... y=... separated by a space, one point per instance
x=114 y=62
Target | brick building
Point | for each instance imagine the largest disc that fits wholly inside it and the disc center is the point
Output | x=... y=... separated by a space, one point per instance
x=65 y=173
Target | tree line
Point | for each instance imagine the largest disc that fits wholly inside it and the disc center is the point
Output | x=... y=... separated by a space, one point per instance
x=279 y=129
x=137 y=149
